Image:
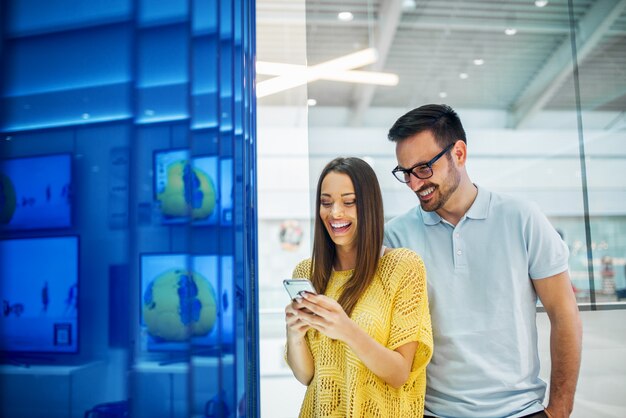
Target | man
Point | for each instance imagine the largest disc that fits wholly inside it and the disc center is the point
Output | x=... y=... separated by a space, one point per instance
x=488 y=257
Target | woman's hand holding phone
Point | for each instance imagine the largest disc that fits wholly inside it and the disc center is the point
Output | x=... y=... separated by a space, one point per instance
x=296 y=288
x=296 y=328
x=299 y=355
x=328 y=317
x=310 y=310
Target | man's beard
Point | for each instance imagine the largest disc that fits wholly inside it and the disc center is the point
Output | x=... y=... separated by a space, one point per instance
x=451 y=183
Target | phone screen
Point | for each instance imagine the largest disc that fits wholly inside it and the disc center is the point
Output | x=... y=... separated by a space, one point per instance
x=295 y=286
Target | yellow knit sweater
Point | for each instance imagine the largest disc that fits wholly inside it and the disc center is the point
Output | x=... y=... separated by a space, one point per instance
x=394 y=311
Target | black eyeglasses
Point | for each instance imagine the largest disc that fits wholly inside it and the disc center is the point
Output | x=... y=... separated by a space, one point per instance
x=421 y=170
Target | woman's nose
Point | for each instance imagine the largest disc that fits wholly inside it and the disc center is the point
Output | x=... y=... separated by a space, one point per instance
x=337 y=209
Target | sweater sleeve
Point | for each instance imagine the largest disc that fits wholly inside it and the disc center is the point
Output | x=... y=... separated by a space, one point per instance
x=302 y=270
x=411 y=317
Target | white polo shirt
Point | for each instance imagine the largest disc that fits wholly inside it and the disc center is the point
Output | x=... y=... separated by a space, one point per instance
x=482 y=303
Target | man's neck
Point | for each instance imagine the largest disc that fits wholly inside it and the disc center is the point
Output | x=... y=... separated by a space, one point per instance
x=460 y=202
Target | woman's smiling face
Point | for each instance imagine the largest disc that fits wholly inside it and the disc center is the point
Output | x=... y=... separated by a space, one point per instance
x=338 y=209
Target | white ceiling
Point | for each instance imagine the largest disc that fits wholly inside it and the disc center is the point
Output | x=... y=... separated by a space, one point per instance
x=428 y=43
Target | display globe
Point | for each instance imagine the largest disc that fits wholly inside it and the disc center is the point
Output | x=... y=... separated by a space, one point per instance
x=7 y=199
x=178 y=305
x=188 y=191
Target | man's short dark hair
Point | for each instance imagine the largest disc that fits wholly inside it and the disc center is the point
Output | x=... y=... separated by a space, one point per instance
x=440 y=119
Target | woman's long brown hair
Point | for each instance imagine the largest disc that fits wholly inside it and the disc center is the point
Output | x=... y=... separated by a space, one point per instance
x=369 y=233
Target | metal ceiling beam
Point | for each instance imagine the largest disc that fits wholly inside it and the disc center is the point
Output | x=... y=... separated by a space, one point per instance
x=434 y=23
x=591 y=28
x=389 y=19
x=602 y=101
x=523 y=28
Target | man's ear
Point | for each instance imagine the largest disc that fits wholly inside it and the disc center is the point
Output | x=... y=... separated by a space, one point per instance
x=459 y=152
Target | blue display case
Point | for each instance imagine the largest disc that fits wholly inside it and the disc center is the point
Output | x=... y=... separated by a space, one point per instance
x=151 y=107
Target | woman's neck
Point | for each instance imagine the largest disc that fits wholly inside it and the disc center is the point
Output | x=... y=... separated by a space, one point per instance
x=345 y=258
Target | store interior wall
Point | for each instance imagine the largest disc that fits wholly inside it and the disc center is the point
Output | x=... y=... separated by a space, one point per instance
x=540 y=162
x=557 y=65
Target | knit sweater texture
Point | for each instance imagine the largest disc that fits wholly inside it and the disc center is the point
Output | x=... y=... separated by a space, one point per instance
x=394 y=311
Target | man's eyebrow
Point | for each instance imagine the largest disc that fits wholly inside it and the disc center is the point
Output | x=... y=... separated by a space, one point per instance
x=413 y=166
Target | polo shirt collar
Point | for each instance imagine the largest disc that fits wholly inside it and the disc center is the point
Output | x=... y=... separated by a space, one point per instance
x=480 y=207
x=430 y=218
x=478 y=210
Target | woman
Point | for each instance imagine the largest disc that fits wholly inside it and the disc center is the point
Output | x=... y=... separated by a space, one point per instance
x=362 y=344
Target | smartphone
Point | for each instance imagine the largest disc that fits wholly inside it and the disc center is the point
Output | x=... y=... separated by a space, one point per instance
x=296 y=286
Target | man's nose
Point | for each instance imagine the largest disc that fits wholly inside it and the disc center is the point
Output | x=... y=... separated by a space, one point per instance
x=415 y=183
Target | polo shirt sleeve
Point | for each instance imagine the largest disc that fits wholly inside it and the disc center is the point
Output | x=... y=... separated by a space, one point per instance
x=547 y=253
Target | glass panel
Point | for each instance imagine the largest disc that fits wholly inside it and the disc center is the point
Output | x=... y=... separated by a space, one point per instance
x=534 y=131
x=508 y=71
x=601 y=88
x=284 y=201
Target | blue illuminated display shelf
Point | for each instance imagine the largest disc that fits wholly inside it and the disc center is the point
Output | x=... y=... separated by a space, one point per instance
x=143 y=113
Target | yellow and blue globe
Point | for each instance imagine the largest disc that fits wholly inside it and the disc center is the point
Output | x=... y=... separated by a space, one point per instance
x=189 y=191
x=7 y=199
x=178 y=305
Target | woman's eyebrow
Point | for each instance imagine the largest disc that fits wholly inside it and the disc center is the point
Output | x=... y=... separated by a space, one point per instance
x=343 y=194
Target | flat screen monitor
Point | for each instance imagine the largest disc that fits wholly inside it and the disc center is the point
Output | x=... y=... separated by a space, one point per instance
x=187 y=301
x=186 y=189
x=39 y=292
x=35 y=192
